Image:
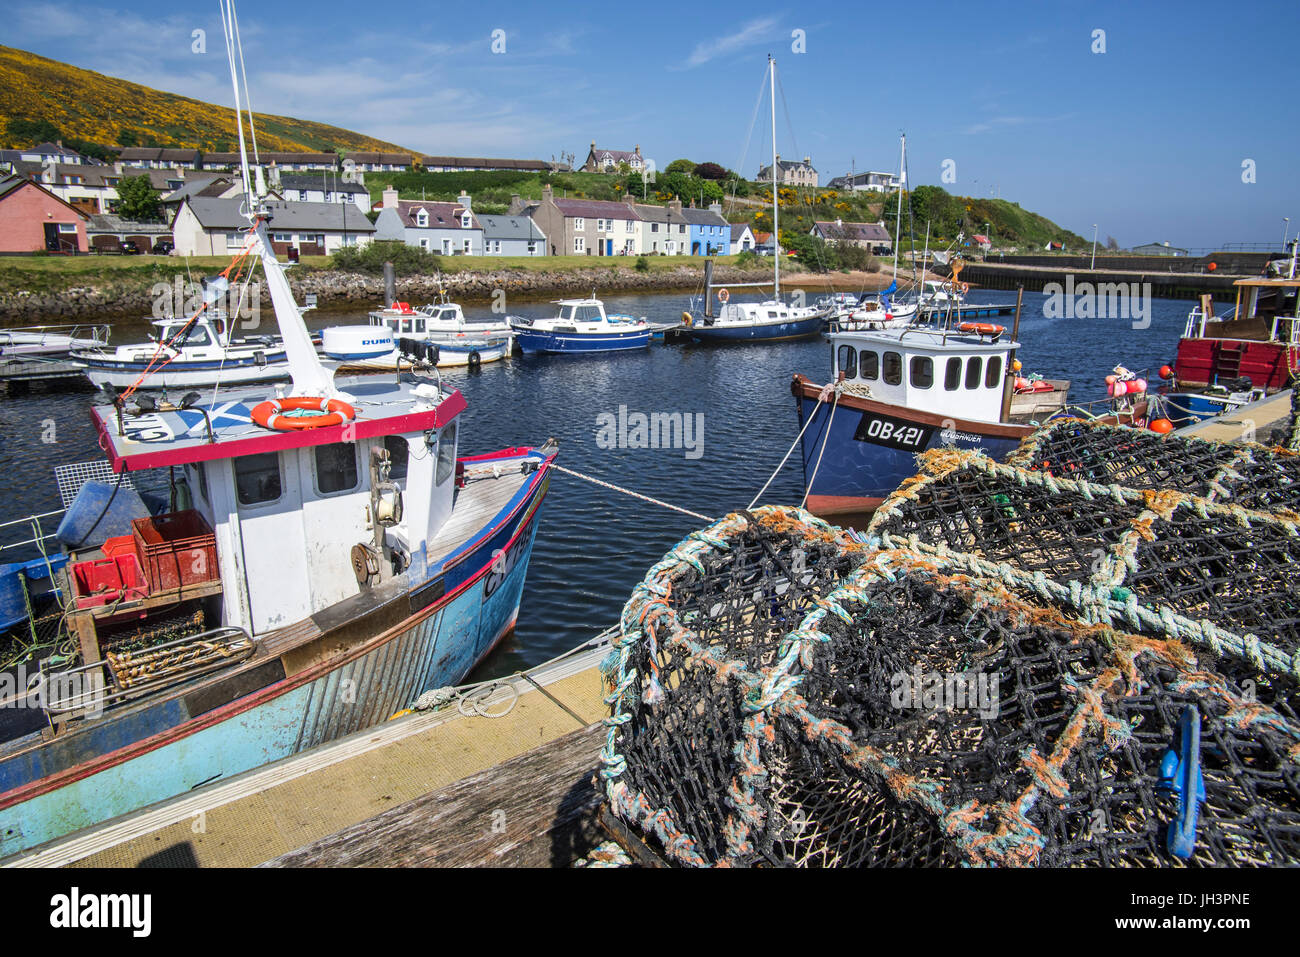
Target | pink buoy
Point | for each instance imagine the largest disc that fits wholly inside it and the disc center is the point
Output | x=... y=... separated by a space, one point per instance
x=1141 y=385
x=1110 y=380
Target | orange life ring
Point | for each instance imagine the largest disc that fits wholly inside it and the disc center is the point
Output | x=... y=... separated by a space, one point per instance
x=333 y=412
x=965 y=288
x=723 y=295
x=983 y=328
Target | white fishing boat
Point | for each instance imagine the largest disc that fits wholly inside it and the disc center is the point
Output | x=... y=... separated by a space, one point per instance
x=770 y=320
x=434 y=319
x=375 y=349
x=321 y=559
x=187 y=353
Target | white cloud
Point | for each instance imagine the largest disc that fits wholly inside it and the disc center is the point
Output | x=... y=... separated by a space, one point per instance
x=749 y=34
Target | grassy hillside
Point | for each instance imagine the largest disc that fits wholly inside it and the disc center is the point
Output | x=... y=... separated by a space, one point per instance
x=86 y=105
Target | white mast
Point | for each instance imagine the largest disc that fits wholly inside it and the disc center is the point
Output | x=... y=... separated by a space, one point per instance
x=776 y=228
x=310 y=378
x=898 y=217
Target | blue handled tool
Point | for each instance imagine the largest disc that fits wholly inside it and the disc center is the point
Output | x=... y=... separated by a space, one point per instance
x=1180 y=772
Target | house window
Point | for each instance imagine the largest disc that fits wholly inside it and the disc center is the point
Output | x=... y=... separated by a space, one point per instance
x=893 y=368
x=422 y=219
x=654 y=227
x=870 y=364
x=234 y=240
x=952 y=375
x=466 y=246
x=424 y=243
x=579 y=223
x=579 y=244
x=974 y=367
x=496 y=246
x=532 y=248
x=994 y=373
x=848 y=362
x=336 y=468
x=67 y=227
x=446 y=454
x=922 y=372
x=257 y=478
x=627 y=226
x=465 y=221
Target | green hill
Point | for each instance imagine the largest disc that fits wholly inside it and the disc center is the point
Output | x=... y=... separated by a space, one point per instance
x=81 y=105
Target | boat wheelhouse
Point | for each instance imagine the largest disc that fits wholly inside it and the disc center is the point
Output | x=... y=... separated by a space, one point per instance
x=434 y=320
x=581 y=325
x=186 y=353
x=895 y=393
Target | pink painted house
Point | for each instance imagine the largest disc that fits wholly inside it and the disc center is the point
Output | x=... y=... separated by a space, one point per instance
x=32 y=219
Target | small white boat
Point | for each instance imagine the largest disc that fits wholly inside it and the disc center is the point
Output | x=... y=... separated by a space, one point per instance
x=50 y=342
x=375 y=349
x=184 y=353
x=435 y=318
x=581 y=325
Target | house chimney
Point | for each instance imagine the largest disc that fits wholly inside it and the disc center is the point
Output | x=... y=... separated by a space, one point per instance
x=715 y=208
x=390 y=198
x=463 y=199
x=516 y=204
x=548 y=194
x=675 y=206
x=637 y=150
x=593 y=146
x=807 y=161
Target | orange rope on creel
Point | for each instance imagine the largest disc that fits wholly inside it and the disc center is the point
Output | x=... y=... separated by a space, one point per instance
x=236 y=264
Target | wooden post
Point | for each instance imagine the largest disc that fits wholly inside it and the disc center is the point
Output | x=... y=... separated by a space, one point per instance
x=1008 y=387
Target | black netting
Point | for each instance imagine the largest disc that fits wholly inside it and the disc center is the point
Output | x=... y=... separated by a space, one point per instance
x=853 y=706
x=1248 y=475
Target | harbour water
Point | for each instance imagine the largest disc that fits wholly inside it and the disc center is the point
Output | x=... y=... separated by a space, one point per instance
x=594 y=544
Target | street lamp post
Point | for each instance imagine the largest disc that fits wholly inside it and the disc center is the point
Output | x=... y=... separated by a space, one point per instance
x=1094 y=247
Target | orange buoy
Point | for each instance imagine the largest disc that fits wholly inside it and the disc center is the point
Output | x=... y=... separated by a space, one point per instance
x=1210 y=267
x=1162 y=426
x=1166 y=372
x=1015 y=365
x=330 y=412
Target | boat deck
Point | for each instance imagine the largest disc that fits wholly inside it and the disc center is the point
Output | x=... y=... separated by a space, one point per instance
x=1264 y=416
x=273 y=811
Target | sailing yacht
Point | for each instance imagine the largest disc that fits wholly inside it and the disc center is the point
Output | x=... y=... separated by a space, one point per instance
x=772 y=319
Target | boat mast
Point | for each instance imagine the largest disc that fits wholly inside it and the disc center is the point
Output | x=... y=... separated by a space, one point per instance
x=898 y=216
x=776 y=229
x=310 y=378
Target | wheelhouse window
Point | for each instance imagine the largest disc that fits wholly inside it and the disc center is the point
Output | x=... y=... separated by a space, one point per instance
x=446 y=454
x=893 y=364
x=870 y=363
x=195 y=337
x=974 y=368
x=992 y=378
x=848 y=362
x=399 y=456
x=257 y=478
x=336 y=467
x=922 y=372
x=952 y=375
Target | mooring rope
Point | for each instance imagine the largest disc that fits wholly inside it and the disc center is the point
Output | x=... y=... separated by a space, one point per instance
x=628 y=491
x=820 y=399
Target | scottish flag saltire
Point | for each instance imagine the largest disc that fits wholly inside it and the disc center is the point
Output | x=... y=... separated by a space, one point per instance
x=886 y=293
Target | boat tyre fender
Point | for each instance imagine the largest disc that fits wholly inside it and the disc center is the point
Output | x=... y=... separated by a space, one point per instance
x=332 y=412
x=434 y=354
x=475 y=360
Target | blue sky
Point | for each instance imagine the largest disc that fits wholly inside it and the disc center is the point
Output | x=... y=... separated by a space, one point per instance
x=1146 y=139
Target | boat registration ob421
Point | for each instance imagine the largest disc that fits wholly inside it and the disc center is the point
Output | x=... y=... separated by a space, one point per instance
x=894 y=433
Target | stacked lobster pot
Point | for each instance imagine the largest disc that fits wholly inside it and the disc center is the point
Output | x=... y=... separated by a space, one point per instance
x=1010 y=668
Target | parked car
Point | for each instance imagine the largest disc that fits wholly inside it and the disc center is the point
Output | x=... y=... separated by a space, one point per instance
x=129 y=247
x=163 y=247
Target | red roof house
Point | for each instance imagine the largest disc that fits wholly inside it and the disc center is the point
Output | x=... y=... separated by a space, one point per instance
x=33 y=219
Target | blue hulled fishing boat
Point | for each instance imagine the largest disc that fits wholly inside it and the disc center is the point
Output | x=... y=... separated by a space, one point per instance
x=318 y=558
x=581 y=325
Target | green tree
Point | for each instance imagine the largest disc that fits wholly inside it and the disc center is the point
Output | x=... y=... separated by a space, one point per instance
x=138 y=200
x=680 y=166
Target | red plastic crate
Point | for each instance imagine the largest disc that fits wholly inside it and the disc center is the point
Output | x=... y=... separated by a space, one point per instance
x=176 y=549
x=107 y=580
x=121 y=545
